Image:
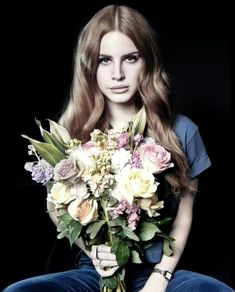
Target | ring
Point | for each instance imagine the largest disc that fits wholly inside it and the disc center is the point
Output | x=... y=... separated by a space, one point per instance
x=96 y=252
x=101 y=267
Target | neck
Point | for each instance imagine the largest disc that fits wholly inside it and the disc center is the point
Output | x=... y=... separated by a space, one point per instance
x=120 y=114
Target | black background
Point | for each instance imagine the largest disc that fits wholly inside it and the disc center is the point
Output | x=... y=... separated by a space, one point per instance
x=38 y=41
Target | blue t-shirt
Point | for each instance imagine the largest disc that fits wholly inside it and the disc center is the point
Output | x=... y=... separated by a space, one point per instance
x=188 y=134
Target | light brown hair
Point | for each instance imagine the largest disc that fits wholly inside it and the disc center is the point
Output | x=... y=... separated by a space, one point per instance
x=86 y=108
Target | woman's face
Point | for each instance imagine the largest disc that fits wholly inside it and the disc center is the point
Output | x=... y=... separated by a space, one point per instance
x=119 y=68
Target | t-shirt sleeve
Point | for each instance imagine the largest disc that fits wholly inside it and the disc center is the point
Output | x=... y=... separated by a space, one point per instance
x=188 y=133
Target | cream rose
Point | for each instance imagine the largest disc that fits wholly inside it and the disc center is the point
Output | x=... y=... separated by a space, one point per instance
x=154 y=157
x=84 y=212
x=151 y=205
x=137 y=183
x=60 y=194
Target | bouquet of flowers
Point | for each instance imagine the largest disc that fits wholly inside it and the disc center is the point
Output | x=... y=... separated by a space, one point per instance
x=107 y=187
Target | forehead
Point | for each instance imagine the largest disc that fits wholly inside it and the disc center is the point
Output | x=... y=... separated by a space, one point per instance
x=116 y=43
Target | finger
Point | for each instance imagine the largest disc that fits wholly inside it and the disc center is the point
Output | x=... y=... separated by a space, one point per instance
x=93 y=253
x=104 y=264
x=106 y=273
x=104 y=248
x=106 y=256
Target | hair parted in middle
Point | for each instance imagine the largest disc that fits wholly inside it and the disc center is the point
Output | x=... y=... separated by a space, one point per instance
x=86 y=108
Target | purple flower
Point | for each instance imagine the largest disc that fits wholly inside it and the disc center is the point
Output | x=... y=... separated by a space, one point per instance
x=138 y=138
x=42 y=172
x=132 y=212
x=136 y=160
x=123 y=140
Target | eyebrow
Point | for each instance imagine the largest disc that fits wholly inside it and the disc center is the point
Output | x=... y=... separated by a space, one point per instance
x=126 y=55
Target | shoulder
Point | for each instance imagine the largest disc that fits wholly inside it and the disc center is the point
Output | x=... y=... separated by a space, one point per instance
x=191 y=141
x=184 y=128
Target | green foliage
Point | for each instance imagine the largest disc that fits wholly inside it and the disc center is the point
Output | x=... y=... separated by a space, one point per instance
x=49 y=152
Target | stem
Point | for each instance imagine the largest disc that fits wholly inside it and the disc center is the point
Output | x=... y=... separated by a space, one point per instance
x=107 y=219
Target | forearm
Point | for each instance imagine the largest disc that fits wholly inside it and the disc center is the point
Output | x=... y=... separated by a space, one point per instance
x=180 y=231
x=54 y=213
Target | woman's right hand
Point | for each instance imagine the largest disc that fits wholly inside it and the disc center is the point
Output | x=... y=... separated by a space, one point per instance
x=103 y=260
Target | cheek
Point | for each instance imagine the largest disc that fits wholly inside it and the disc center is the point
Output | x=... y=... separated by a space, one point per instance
x=101 y=77
x=135 y=73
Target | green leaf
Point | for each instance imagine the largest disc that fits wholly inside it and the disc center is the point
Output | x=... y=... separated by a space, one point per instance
x=62 y=226
x=65 y=218
x=129 y=233
x=51 y=139
x=109 y=282
x=95 y=228
x=48 y=151
x=167 y=249
x=147 y=231
x=122 y=253
x=135 y=257
x=63 y=234
x=115 y=244
x=117 y=222
x=60 y=133
x=164 y=221
x=139 y=122
x=75 y=229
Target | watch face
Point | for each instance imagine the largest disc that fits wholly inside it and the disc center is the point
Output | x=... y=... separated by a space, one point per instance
x=168 y=275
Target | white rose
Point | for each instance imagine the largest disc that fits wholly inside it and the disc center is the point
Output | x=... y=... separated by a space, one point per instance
x=60 y=194
x=137 y=183
x=120 y=158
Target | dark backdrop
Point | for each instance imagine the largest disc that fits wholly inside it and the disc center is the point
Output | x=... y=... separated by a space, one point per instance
x=38 y=44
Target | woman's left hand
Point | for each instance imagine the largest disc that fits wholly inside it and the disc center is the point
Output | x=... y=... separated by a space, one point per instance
x=103 y=260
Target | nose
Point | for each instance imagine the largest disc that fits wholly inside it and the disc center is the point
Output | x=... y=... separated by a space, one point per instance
x=117 y=73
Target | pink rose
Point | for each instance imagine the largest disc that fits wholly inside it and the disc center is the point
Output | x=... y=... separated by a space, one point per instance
x=154 y=157
x=66 y=169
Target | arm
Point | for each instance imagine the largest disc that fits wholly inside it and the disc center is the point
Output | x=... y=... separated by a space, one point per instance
x=54 y=213
x=109 y=264
x=180 y=231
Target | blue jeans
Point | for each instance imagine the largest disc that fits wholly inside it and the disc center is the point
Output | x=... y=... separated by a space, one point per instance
x=85 y=279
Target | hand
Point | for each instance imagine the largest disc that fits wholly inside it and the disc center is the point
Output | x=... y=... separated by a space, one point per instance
x=103 y=260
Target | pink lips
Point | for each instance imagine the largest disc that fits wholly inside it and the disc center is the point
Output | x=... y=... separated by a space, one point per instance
x=119 y=89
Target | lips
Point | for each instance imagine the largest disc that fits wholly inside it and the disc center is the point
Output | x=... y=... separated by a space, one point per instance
x=119 y=89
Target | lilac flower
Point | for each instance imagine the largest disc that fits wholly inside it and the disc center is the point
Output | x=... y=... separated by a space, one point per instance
x=136 y=160
x=42 y=172
x=123 y=140
x=138 y=138
x=132 y=212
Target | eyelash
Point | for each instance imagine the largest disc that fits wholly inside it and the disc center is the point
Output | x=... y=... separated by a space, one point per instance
x=129 y=59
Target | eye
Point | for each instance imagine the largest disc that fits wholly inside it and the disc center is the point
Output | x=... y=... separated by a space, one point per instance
x=104 y=60
x=132 y=58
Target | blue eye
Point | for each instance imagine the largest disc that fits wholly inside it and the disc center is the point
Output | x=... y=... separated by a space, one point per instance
x=104 y=60
x=132 y=58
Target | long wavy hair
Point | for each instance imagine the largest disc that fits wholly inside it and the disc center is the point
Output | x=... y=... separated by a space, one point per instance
x=86 y=108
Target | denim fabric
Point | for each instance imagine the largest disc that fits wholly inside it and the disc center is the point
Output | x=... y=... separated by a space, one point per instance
x=188 y=133
x=85 y=279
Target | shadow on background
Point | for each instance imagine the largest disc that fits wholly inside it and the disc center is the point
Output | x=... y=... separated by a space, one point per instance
x=38 y=53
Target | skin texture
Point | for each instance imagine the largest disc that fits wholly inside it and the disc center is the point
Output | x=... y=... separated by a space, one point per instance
x=118 y=73
x=121 y=65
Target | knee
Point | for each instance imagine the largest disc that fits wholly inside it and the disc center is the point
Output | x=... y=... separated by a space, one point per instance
x=26 y=285
x=191 y=281
x=211 y=284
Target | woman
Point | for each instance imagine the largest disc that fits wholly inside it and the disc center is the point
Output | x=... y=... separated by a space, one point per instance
x=117 y=70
